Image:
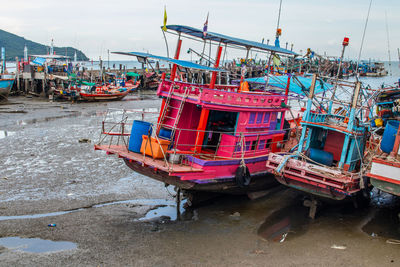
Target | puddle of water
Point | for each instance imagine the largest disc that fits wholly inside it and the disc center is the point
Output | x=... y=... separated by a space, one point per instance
x=13 y=111
x=166 y=208
x=36 y=216
x=384 y=223
x=35 y=245
x=46 y=119
x=285 y=223
x=4 y=134
x=161 y=211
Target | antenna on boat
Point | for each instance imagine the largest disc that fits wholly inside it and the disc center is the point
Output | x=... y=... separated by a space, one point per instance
x=52 y=47
x=398 y=53
x=362 y=40
x=25 y=53
x=278 y=30
x=344 y=44
x=388 y=44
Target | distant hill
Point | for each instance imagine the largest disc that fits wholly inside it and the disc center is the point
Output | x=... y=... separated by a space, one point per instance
x=15 y=44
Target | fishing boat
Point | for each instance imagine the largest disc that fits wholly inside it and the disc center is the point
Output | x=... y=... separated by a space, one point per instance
x=373 y=69
x=329 y=155
x=207 y=137
x=6 y=83
x=132 y=81
x=102 y=93
x=329 y=160
x=384 y=173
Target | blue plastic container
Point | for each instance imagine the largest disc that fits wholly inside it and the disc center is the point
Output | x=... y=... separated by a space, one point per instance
x=389 y=136
x=165 y=134
x=320 y=156
x=139 y=128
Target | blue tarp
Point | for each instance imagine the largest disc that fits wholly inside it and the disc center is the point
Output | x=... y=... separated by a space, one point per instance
x=39 y=61
x=295 y=87
x=220 y=38
x=182 y=63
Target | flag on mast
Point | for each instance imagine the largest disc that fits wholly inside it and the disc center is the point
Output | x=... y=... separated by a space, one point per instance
x=165 y=19
x=205 y=26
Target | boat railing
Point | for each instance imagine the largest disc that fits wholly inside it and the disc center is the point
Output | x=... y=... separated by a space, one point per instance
x=182 y=147
x=222 y=94
x=332 y=120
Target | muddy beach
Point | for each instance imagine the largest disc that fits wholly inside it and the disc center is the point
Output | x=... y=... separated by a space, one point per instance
x=107 y=215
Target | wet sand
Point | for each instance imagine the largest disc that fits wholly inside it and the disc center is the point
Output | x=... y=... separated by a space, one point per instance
x=120 y=218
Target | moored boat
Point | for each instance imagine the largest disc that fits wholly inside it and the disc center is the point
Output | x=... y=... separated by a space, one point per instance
x=208 y=137
x=6 y=84
x=384 y=172
x=104 y=95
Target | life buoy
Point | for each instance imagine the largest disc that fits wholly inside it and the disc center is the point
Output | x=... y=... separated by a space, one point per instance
x=242 y=176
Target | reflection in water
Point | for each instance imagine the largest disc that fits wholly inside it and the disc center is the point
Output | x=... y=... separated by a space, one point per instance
x=384 y=223
x=384 y=218
x=285 y=223
x=35 y=245
x=4 y=134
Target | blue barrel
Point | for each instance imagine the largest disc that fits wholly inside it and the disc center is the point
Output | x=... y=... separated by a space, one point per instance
x=320 y=156
x=139 y=128
x=389 y=136
x=165 y=134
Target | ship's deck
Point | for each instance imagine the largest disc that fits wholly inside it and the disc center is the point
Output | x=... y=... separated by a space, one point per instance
x=160 y=164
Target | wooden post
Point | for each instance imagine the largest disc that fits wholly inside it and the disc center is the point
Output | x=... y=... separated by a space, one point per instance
x=396 y=146
x=43 y=93
x=17 y=73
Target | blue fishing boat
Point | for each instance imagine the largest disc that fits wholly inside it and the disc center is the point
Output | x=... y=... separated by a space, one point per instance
x=328 y=159
x=6 y=83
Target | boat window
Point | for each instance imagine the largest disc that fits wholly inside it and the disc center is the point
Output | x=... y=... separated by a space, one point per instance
x=254 y=145
x=248 y=145
x=268 y=144
x=266 y=117
x=259 y=117
x=238 y=147
x=261 y=144
x=218 y=122
x=252 y=117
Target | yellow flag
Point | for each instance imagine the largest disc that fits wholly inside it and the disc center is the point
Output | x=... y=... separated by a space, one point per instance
x=276 y=60
x=165 y=20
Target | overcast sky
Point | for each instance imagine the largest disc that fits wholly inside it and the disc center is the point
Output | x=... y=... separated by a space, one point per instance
x=94 y=26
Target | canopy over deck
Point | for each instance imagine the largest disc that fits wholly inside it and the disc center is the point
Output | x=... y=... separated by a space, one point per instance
x=51 y=56
x=295 y=87
x=220 y=38
x=182 y=63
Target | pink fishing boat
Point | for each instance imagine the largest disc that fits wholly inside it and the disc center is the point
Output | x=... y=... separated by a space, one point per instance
x=207 y=137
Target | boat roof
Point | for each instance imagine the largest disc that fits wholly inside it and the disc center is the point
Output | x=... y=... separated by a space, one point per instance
x=300 y=89
x=51 y=56
x=182 y=63
x=221 y=38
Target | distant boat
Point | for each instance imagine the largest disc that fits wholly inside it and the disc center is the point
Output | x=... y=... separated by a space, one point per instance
x=6 y=83
x=103 y=93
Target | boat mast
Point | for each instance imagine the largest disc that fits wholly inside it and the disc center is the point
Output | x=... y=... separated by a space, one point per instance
x=52 y=48
x=278 y=31
x=3 y=60
x=25 y=53
x=362 y=39
x=398 y=53
x=388 y=44
x=345 y=43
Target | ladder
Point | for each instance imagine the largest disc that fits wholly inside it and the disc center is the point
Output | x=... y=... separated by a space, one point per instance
x=179 y=109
